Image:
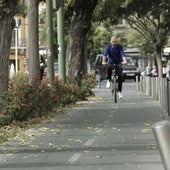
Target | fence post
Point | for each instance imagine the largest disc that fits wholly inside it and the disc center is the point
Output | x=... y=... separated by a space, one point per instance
x=137 y=83
x=165 y=93
x=148 y=86
x=168 y=97
x=161 y=132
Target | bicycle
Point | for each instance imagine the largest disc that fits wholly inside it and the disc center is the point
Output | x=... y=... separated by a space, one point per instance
x=114 y=82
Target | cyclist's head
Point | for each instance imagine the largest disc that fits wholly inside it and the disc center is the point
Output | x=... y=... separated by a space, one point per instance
x=113 y=40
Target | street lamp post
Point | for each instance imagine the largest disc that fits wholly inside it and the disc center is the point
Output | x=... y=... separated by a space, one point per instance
x=61 y=42
x=17 y=25
x=16 y=49
x=50 y=53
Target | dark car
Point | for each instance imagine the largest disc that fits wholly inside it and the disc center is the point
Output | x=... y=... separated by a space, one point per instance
x=55 y=70
x=99 y=68
x=130 y=70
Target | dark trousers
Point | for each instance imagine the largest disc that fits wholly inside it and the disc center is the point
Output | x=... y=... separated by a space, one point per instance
x=118 y=71
x=41 y=73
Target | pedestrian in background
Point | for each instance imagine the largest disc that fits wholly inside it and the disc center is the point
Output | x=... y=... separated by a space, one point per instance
x=168 y=69
x=148 y=70
x=154 y=72
x=42 y=66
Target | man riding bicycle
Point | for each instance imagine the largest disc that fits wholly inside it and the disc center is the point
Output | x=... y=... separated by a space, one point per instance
x=114 y=54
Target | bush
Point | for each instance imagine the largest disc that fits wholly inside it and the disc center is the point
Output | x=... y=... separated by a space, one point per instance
x=23 y=101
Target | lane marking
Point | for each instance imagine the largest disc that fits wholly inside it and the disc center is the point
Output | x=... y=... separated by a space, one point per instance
x=89 y=142
x=75 y=157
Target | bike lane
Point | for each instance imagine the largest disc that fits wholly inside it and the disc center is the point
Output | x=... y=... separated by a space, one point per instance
x=96 y=134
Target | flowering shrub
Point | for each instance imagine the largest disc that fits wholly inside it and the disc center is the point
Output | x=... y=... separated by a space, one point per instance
x=88 y=82
x=23 y=101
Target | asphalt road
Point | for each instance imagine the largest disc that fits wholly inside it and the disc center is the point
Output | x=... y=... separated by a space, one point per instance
x=95 y=135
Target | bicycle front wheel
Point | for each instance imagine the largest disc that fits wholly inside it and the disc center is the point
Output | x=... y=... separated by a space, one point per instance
x=114 y=90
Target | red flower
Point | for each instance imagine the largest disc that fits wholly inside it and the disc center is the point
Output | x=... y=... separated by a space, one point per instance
x=4 y=112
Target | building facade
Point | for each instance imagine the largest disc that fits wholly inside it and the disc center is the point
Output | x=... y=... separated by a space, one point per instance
x=18 y=45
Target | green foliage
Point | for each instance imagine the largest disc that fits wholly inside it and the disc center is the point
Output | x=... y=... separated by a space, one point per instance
x=16 y=6
x=104 y=17
x=136 y=40
x=1 y=3
x=105 y=10
x=98 y=37
x=150 y=18
x=23 y=101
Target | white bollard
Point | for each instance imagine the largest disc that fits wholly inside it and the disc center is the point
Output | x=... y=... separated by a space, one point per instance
x=161 y=132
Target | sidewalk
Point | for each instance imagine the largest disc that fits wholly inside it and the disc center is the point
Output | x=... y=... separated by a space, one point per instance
x=95 y=135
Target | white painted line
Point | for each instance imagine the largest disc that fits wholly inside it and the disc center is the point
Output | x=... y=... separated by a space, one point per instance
x=75 y=157
x=89 y=142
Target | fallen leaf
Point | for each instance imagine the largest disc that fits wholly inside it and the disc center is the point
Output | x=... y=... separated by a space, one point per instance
x=97 y=156
x=145 y=130
x=78 y=140
x=152 y=147
x=147 y=124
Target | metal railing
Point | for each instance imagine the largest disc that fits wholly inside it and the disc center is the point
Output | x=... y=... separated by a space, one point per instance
x=158 y=88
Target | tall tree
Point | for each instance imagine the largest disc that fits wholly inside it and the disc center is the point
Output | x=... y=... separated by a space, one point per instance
x=33 y=42
x=81 y=14
x=150 y=18
x=152 y=21
x=8 y=9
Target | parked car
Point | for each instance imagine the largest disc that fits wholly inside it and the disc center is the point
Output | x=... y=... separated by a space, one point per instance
x=99 y=68
x=130 y=70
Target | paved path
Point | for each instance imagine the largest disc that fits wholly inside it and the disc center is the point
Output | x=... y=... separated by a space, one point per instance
x=96 y=135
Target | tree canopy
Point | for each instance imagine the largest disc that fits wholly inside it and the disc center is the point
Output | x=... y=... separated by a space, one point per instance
x=150 y=18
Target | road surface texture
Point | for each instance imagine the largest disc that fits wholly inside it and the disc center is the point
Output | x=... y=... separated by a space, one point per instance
x=95 y=135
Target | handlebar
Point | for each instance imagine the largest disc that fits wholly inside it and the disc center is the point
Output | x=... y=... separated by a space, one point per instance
x=122 y=63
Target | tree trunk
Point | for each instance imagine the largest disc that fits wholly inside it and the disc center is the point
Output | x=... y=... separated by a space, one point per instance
x=159 y=64
x=80 y=25
x=7 y=23
x=32 y=44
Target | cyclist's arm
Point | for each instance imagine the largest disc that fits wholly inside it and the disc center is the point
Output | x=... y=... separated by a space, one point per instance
x=122 y=53
x=104 y=60
x=124 y=60
x=105 y=54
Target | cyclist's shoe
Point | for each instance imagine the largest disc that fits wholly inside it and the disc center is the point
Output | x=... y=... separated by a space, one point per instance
x=120 y=96
x=108 y=84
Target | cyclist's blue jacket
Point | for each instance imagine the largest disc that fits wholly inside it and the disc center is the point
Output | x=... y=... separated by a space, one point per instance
x=114 y=54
